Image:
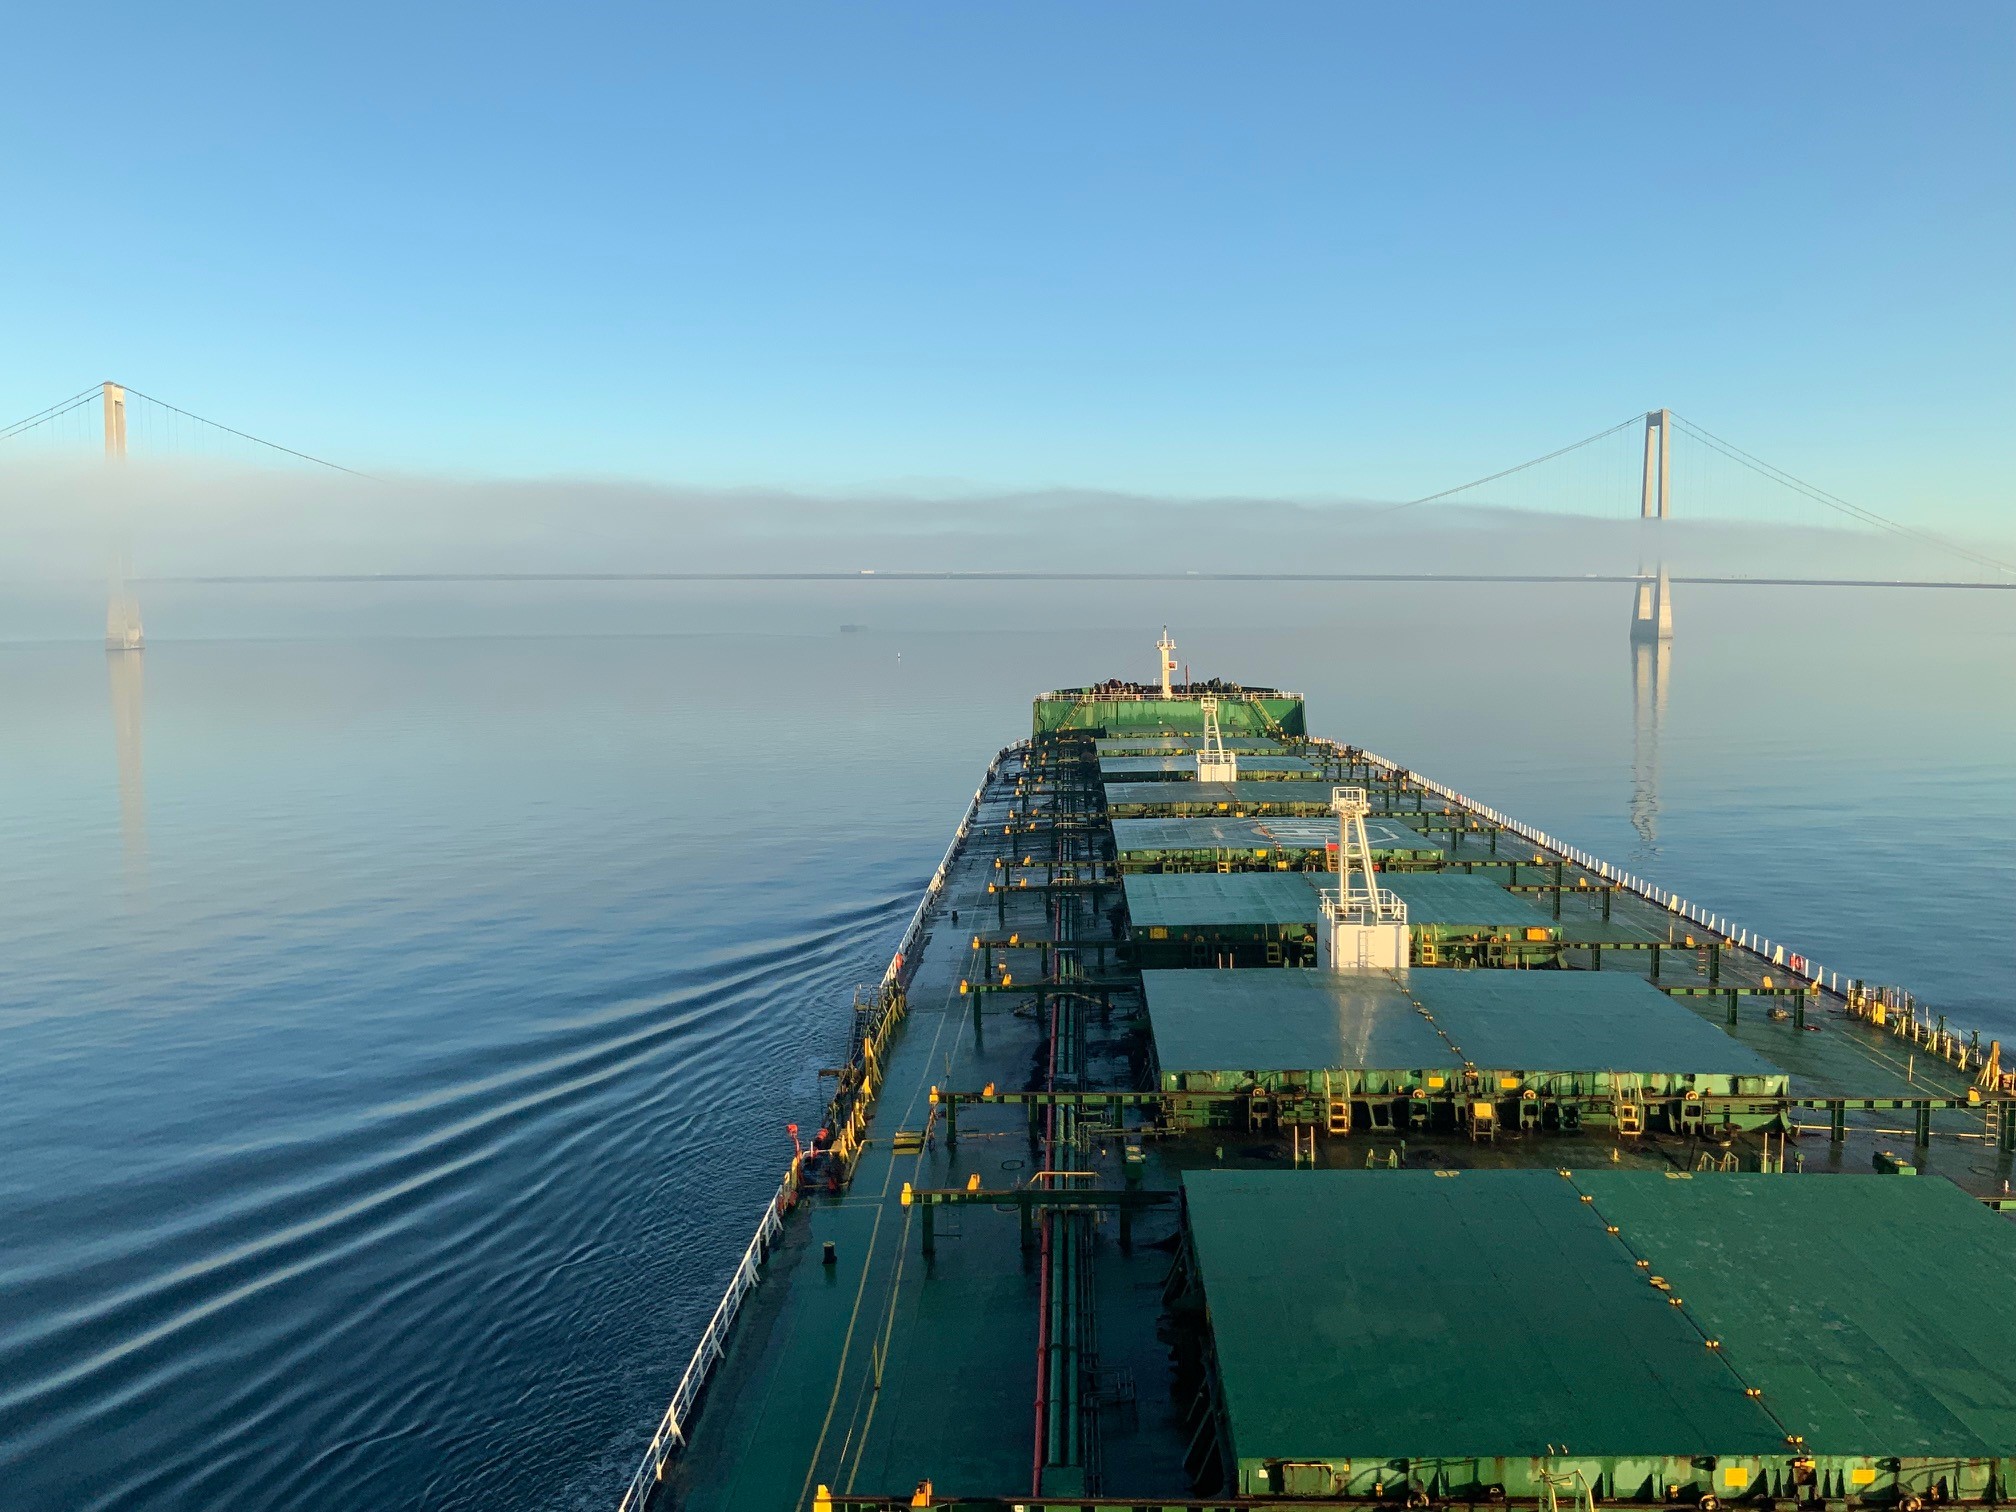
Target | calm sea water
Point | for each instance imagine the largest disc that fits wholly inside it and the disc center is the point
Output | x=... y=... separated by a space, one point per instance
x=397 y=1034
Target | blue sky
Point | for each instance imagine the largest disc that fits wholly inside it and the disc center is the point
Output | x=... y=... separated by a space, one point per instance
x=1302 y=250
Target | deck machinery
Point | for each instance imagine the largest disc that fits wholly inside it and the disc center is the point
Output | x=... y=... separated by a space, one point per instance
x=1276 y=918
x=1246 y=844
x=1162 y=1188
x=1483 y=1052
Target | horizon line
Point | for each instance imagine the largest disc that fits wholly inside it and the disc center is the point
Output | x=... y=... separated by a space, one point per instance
x=873 y=574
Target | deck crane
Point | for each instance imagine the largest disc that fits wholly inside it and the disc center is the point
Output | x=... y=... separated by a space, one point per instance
x=1214 y=762
x=1364 y=925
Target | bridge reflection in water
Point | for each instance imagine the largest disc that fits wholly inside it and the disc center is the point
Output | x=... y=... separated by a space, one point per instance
x=124 y=672
x=1650 y=664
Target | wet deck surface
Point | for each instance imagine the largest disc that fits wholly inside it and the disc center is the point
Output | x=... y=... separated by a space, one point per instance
x=889 y=1367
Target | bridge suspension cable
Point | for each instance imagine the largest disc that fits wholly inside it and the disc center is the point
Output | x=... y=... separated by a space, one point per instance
x=1732 y=453
x=1509 y=471
x=247 y=436
x=94 y=395
x=1835 y=502
x=43 y=416
x=1707 y=438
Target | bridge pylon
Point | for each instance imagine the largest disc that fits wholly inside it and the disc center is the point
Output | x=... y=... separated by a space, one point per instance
x=122 y=610
x=1652 y=602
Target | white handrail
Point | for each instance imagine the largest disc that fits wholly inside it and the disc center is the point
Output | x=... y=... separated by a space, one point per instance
x=1143 y=692
x=914 y=930
x=1771 y=952
x=671 y=1435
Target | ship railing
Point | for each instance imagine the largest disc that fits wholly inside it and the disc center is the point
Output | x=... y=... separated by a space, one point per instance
x=905 y=958
x=671 y=1435
x=1962 y=1054
x=1144 y=692
x=1381 y=906
x=1772 y=951
x=670 y=1439
x=847 y=1115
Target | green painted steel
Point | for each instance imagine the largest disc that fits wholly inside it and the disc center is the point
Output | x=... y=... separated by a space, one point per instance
x=1359 y=1318
x=1174 y=745
x=1135 y=712
x=1656 y=1334
x=1391 y=1329
x=1435 y=900
x=1583 y=1021
x=1446 y=902
x=1258 y=839
x=1873 y=1312
x=1551 y=1030
x=1455 y=919
x=1172 y=900
x=1113 y=768
x=1148 y=799
x=1216 y=1028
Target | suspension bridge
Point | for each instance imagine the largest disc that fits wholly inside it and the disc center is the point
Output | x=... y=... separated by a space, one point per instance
x=1644 y=463
x=110 y=413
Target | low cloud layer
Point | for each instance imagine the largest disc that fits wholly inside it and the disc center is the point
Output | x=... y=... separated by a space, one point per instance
x=65 y=523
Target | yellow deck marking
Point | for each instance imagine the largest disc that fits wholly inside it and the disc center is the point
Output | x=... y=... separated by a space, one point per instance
x=867 y=1264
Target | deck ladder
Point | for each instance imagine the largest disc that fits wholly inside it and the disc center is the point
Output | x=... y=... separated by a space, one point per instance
x=1625 y=1099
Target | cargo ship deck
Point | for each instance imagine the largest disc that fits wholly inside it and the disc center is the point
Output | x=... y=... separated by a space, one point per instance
x=1123 y=1200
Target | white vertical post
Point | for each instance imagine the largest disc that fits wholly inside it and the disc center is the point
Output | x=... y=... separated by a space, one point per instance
x=1650 y=500
x=115 y=423
x=122 y=610
x=1652 y=600
x=1665 y=462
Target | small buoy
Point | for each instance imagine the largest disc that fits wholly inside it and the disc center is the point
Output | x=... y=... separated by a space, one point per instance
x=829 y=1256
